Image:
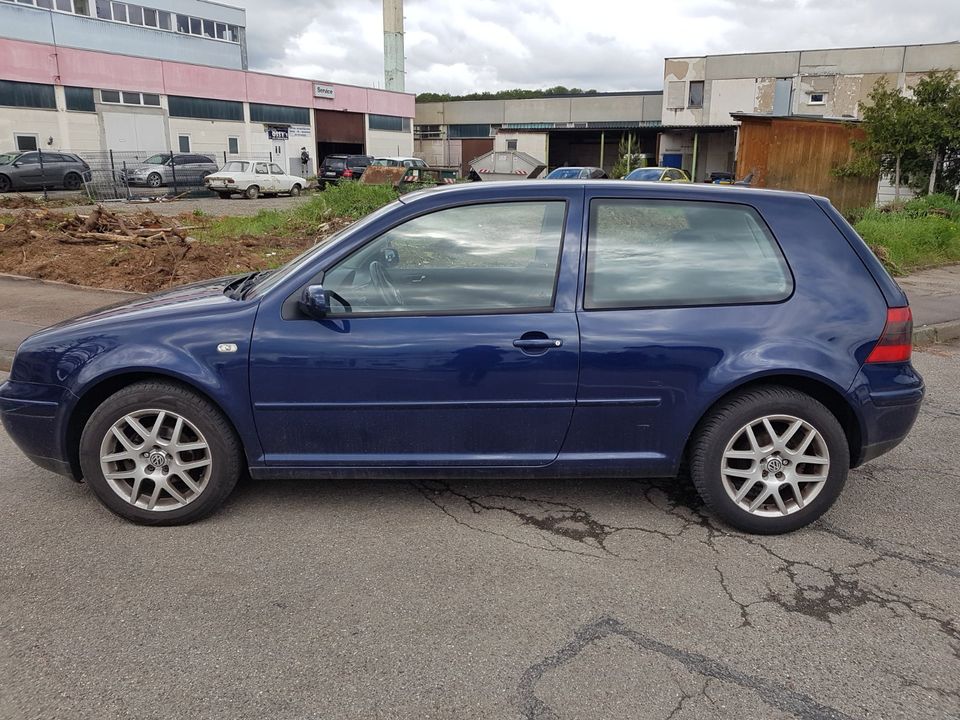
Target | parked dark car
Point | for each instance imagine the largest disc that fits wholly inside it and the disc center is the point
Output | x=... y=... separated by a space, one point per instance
x=184 y=169
x=348 y=167
x=23 y=171
x=577 y=173
x=548 y=329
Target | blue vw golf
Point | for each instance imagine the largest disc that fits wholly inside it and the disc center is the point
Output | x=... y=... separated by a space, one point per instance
x=549 y=329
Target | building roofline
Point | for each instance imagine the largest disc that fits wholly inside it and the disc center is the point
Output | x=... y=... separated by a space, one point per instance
x=226 y=5
x=804 y=50
x=612 y=93
x=806 y=118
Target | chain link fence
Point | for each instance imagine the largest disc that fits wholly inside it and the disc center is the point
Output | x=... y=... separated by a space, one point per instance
x=126 y=175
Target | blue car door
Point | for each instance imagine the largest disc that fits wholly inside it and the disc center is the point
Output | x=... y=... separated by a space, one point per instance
x=451 y=340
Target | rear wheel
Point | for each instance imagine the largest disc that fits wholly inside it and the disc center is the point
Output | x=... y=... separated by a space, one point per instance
x=156 y=453
x=72 y=181
x=252 y=193
x=770 y=460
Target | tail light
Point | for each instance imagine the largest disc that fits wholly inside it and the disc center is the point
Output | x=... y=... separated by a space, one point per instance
x=348 y=173
x=231 y=181
x=896 y=343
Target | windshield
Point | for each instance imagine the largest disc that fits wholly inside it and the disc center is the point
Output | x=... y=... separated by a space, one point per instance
x=7 y=158
x=645 y=174
x=156 y=160
x=306 y=257
x=564 y=174
x=236 y=166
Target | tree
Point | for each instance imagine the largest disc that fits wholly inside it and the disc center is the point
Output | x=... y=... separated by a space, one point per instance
x=914 y=140
x=629 y=156
x=937 y=102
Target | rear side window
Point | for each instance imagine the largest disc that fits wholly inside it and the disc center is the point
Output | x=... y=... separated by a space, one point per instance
x=675 y=253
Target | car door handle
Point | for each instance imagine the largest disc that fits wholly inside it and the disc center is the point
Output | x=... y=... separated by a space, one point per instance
x=537 y=343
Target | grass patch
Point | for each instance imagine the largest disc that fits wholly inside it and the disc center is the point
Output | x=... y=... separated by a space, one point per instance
x=348 y=200
x=922 y=233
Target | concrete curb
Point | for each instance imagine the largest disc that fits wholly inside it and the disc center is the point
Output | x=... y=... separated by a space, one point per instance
x=936 y=333
x=922 y=336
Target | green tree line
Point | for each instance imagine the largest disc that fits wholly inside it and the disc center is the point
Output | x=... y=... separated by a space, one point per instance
x=515 y=94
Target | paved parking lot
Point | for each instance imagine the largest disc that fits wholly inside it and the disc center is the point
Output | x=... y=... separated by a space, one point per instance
x=494 y=599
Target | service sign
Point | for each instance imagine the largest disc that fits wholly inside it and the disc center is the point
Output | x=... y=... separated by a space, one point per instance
x=324 y=91
x=278 y=133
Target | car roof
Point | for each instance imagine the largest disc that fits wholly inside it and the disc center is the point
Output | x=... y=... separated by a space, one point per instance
x=506 y=189
x=395 y=157
x=657 y=167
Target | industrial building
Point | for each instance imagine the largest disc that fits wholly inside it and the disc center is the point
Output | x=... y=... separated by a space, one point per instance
x=690 y=123
x=91 y=76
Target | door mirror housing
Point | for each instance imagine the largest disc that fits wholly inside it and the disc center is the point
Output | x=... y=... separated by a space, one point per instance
x=17 y=163
x=314 y=301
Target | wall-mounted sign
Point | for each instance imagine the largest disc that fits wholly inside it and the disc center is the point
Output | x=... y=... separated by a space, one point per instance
x=324 y=91
x=301 y=131
x=278 y=133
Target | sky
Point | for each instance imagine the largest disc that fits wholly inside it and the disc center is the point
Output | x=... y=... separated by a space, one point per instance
x=461 y=46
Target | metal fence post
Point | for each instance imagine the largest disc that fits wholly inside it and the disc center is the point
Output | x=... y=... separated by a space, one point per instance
x=43 y=173
x=113 y=176
x=126 y=179
x=173 y=170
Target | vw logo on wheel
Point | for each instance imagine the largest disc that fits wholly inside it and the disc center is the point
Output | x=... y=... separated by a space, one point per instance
x=158 y=459
x=774 y=464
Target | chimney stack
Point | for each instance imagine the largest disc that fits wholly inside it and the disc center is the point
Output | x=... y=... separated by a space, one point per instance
x=393 y=44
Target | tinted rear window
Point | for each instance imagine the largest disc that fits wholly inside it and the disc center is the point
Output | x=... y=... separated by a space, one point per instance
x=335 y=163
x=656 y=253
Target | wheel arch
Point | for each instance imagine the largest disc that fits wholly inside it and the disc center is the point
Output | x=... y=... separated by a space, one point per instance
x=816 y=387
x=94 y=395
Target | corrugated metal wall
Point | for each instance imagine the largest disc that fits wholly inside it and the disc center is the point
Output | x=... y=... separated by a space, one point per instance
x=798 y=154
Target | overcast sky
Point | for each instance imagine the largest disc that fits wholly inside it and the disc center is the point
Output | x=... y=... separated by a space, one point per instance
x=462 y=46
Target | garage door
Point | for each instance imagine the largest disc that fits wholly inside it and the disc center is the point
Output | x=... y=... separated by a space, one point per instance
x=134 y=131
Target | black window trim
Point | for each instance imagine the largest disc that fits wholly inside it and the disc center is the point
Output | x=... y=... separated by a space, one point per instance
x=582 y=281
x=290 y=310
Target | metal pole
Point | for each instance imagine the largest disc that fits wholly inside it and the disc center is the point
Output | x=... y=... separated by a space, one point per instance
x=113 y=176
x=43 y=173
x=224 y=157
x=126 y=179
x=629 y=151
x=602 y=138
x=696 y=147
x=173 y=171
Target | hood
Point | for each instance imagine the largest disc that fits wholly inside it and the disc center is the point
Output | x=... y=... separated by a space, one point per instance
x=196 y=297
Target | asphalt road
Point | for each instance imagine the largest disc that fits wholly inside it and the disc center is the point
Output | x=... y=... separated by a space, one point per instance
x=495 y=599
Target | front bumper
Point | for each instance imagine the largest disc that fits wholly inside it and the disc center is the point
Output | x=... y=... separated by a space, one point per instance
x=32 y=415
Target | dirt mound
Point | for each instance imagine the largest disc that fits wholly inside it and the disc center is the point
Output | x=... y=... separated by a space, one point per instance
x=137 y=251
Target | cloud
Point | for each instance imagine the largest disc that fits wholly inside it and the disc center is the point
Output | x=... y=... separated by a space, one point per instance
x=457 y=46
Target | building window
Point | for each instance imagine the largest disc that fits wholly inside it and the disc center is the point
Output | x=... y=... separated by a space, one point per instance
x=103 y=9
x=110 y=96
x=511 y=144
x=468 y=131
x=817 y=98
x=183 y=142
x=120 y=12
x=32 y=95
x=675 y=90
x=26 y=143
x=388 y=122
x=131 y=98
x=233 y=145
x=204 y=109
x=80 y=99
x=695 y=99
x=135 y=15
x=279 y=114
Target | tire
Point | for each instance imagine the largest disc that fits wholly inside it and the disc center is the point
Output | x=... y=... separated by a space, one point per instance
x=295 y=190
x=726 y=462
x=213 y=470
x=72 y=181
x=252 y=192
x=224 y=195
x=5 y=184
x=154 y=180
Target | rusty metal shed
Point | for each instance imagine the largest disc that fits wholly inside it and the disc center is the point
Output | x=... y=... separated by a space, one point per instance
x=799 y=153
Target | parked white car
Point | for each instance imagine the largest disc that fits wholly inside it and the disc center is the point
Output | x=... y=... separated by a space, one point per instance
x=253 y=179
x=399 y=162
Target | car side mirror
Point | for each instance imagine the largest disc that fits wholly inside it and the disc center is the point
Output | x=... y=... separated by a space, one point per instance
x=17 y=163
x=314 y=302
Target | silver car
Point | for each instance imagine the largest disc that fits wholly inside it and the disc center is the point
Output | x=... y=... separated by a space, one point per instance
x=25 y=171
x=157 y=170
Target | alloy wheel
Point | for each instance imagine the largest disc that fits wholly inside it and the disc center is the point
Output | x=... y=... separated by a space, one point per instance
x=156 y=460
x=775 y=465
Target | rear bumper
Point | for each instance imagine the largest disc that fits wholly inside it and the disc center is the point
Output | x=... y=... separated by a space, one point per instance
x=31 y=414
x=889 y=398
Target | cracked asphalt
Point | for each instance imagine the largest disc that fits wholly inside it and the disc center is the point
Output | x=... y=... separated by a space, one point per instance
x=493 y=599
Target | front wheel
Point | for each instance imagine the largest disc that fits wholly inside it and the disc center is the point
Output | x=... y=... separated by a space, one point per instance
x=154 y=180
x=156 y=453
x=224 y=195
x=770 y=460
x=5 y=184
x=295 y=191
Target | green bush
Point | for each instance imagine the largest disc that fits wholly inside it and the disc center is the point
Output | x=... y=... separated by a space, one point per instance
x=940 y=204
